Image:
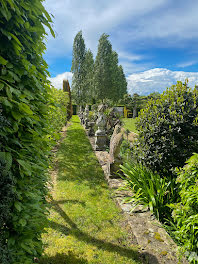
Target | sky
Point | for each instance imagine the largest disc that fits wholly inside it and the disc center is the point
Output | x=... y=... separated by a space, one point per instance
x=156 y=40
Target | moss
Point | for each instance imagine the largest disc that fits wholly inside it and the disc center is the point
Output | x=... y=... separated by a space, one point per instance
x=163 y=253
x=158 y=237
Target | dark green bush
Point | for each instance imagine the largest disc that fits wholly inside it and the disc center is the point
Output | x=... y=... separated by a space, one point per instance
x=168 y=129
x=24 y=143
x=185 y=213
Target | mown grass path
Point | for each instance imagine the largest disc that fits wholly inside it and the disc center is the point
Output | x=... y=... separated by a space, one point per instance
x=129 y=123
x=84 y=220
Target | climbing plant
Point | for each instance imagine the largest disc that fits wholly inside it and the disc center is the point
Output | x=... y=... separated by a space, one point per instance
x=23 y=138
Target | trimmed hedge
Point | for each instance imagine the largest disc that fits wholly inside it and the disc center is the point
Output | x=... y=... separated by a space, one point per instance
x=168 y=129
x=24 y=143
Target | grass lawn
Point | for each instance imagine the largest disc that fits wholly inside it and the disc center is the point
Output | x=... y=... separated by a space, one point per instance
x=129 y=123
x=84 y=223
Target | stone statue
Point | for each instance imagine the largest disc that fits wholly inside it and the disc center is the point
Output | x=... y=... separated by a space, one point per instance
x=80 y=114
x=90 y=131
x=86 y=117
x=114 y=151
x=101 y=137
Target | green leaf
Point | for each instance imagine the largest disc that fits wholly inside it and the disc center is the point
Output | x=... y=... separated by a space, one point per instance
x=8 y=92
x=6 y=158
x=3 y=61
x=26 y=165
x=17 y=116
x=22 y=222
x=25 y=108
x=17 y=205
x=1 y=86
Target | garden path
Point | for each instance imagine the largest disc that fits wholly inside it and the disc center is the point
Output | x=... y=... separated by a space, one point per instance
x=85 y=225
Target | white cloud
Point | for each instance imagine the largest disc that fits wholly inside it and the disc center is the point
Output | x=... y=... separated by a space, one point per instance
x=157 y=80
x=94 y=18
x=57 y=81
x=132 y=25
x=126 y=21
x=143 y=83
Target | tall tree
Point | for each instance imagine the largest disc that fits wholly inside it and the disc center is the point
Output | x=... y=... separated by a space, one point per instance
x=102 y=75
x=89 y=76
x=122 y=83
x=78 y=59
x=114 y=77
x=66 y=88
x=119 y=83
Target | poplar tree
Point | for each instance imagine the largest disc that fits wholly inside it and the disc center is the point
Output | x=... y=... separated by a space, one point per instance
x=89 y=76
x=109 y=78
x=103 y=72
x=114 y=94
x=77 y=68
x=122 y=83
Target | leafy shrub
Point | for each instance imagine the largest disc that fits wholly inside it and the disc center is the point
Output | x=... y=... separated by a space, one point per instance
x=24 y=144
x=149 y=188
x=185 y=213
x=168 y=129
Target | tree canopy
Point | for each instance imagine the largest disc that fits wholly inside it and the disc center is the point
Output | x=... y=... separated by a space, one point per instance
x=100 y=79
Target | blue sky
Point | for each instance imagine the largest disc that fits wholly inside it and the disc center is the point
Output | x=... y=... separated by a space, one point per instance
x=147 y=35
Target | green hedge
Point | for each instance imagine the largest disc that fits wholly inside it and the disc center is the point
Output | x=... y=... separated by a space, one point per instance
x=168 y=129
x=6 y=194
x=24 y=143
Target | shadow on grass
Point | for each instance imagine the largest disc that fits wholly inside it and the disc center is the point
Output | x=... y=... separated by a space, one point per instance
x=100 y=244
x=77 y=161
x=69 y=258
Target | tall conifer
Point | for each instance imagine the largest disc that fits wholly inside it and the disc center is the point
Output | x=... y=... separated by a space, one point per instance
x=78 y=59
x=102 y=76
x=89 y=76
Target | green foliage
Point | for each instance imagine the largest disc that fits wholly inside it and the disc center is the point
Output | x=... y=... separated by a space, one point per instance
x=168 y=130
x=135 y=102
x=66 y=88
x=149 y=188
x=185 y=213
x=89 y=77
x=24 y=144
x=6 y=193
x=109 y=78
x=56 y=113
x=121 y=83
x=99 y=80
x=102 y=75
x=78 y=70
